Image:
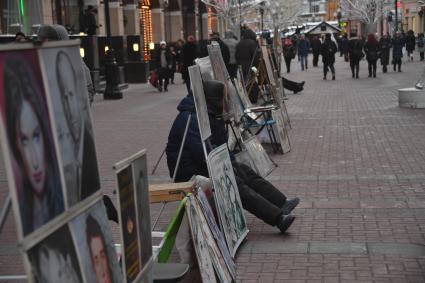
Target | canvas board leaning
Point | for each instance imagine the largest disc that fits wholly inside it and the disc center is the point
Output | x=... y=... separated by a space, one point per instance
x=226 y=197
x=134 y=216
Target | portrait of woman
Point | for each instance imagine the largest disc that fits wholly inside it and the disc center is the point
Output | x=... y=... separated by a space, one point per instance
x=32 y=151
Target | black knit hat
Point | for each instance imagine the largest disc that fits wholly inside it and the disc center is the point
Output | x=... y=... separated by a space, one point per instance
x=214 y=94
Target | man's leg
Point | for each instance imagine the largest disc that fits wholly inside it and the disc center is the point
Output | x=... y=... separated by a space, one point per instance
x=306 y=61
x=352 y=68
x=288 y=64
x=160 y=78
x=369 y=68
x=357 y=68
x=332 y=67
x=325 y=70
x=260 y=185
x=302 y=62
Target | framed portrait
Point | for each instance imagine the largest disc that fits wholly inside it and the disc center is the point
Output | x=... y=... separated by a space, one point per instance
x=95 y=246
x=134 y=215
x=263 y=165
x=216 y=232
x=226 y=197
x=27 y=139
x=207 y=252
x=67 y=87
x=200 y=102
x=281 y=130
x=55 y=259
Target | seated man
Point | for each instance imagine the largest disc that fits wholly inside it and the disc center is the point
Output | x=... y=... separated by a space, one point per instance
x=258 y=196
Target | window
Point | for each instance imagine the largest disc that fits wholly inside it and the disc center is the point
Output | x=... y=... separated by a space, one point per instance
x=314 y=6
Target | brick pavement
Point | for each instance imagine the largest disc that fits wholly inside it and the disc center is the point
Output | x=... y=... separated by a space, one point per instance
x=357 y=162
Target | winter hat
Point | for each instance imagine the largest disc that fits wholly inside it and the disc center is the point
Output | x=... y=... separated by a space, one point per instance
x=52 y=32
x=214 y=94
x=163 y=43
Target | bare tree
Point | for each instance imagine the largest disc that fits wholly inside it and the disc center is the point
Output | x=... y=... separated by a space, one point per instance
x=366 y=11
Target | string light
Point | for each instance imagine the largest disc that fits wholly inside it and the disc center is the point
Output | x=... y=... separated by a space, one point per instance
x=146 y=26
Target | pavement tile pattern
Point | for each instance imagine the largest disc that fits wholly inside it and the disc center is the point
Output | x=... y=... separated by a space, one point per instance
x=357 y=163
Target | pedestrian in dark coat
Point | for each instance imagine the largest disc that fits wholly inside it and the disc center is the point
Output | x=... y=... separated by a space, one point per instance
x=355 y=51
x=410 y=44
x=421 y=45
x=397 y=44
x=371 y=48
x=164 y=62
x=288 y=53
x=258 y=196
x=90 y=20
x=344 y=47
x=303 y=49
x=247 y=52
x=328 y=51
x=384 y=47
x=189 y=53
x=225 y=53
x=174 y=62
x=316 y=45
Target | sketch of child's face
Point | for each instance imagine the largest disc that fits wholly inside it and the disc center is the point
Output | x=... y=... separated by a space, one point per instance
x=31 y=145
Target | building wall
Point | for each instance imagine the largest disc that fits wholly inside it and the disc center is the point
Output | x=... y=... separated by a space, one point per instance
x=307 y=15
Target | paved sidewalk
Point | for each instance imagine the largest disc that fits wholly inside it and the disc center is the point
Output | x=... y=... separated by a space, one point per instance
x=357 y=162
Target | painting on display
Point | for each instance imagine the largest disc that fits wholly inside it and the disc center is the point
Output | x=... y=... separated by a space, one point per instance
x=29 y=150
x=72 y=121
x=95 y=246
x=200 y=102
x=227 y=199
x=263 y=165
x=134 y=215
x=208 y=254
x=55 y=259
x=281 y=130
x=216 y=232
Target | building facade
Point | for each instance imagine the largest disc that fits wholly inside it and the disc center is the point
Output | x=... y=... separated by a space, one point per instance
x=313 y=11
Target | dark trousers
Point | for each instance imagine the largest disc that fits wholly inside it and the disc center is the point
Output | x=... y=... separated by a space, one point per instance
x=422 y=55
x=163 y=75
x=327 y=66
x=315 y=59
x=355 y=66
x=233 y=70
x=397 y=62
x=291 y=85
x=258 y=196
x=288 y=64
x=371 y=66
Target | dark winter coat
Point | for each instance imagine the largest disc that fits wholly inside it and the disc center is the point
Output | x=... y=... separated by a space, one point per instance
x=189 y=53
x=225 y=53
x=247 y=51
x=328 y=51
x=344 y=45
x=398 y=44
x=410 y=42
x=372 y=51
x=355 y=49
x=303 y=47
x=289 y=51
x=168 y=57
x=316 y=46
x=192 y=160
x=384 y=47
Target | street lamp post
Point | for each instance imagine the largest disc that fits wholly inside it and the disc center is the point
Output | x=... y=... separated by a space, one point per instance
x=111 y=67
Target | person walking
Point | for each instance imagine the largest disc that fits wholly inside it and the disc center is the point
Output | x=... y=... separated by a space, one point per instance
x=247 y=52
x=90 y=20
x=421 y=45
x=410 y=44
x=344 y=47
x=163 y=63
x=355 y=51
x=189 y=54
x=303 y=48
x=288 y=53
x=384 y=55
x=174 y=62
x=231 y=41
x=397 y=44
x=371 y=48
x=316 y=45
x=225 y=53
x=328 y=51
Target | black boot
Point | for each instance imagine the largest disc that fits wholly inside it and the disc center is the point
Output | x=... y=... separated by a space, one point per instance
x=289 y=205
x=284 y=222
